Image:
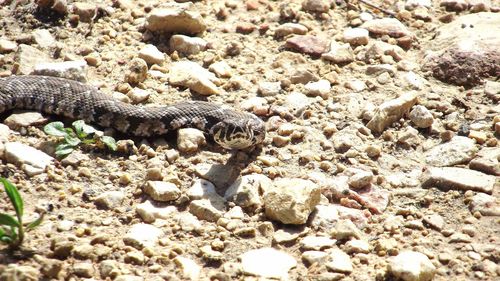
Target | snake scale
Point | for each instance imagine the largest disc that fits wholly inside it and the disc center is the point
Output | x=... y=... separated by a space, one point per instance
x=229 y=128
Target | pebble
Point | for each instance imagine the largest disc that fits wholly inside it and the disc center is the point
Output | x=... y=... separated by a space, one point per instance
x=28 y=57
x=109 y=268
x=391 y=111
x=137 y=71
x=21 y=119
x=31 y=160
x=320 y=88
x=282 y=236
x=162 y=191
x=356 y=36
x=289 y=28
x=137 y=95
x=190 y=139
x=387 y=26
x=324 y=217
x=355 y=85
x=134 y=257
x=317 y=243
x=345 y=229
x=412 y=4
x=7 y=46
x=357 y=246
x=43 y=38
x=189 y=268
x=201 y=189
x=421 y=117
x=74 y=70
x=187 y=45
x=175 y=20
x=85 y=11
x=315 y=6
x=149 y=212
x=245 y=191
x=340 y=262
x=208 y=209
x=218 y=174
x=434 y=221
x=195 y=77
x=291 y=200
x=221 y=69
x=188 y=222
x=339 y=53
x=126 y=277
x=267 y=89
x=458 y=150
x=307 y=44
x=359 y=178
x=411 y=266
x=311 y=257
x=485 y=204
x=491 y=88
x=83 y=269
x=460 y=238
x=142 y=235
x=459 y=179
x=110 y=199
x=151 y=55
x=267 y=263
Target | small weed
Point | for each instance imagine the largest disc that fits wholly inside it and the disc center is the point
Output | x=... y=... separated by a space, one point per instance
x=81 y=133
x=12 y=229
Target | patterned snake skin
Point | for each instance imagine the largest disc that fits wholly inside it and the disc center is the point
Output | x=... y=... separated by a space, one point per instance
x=229 y=128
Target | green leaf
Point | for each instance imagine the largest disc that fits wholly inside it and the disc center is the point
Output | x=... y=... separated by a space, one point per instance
x=14 y=196
x=55 y=129
x=8 y=220
x=36 y=222
x=73 y=141
x=82 y=129
x=63 y=149
x=109 y=142
x=5 y=239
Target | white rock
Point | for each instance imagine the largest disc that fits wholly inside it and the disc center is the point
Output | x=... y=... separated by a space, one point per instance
x=458 y=178
x=291 y=200
x=149 y=213
x=29 y=158
x=267 y=263
x=28 y=57
x=356 y=36
x=190 y=139
x=414 y=80
x=421 y=116
x=110 y=199
x=195 y=77
x=24 y=119
x=412 y=4
x=297 y=102
x=355 y=85
x=320 y=88
x=316 y=6
x=189 y=268
x=175 y=19
x=314 y=256
x=359 y=178
x=290 y=28
x=188 y=222
x=267 y=89
x=324 y=217
x=187 y=45
x=391 y=111
x=339 y=53
x=7 y=46
x=142 y=235
x=235 y=212
x=357 y=246
x=485 y=204
x=162 y=191
x=340 y=262
x=138 y=95
x=43 y=38
x=411 y=266
x=200 y=189
x=208 y=209
x=245 y=191
x=457 y=151
x=151 y=54
x=74 y=70
x=221 y=69
x=317 y=243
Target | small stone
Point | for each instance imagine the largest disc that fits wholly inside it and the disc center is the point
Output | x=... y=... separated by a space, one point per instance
x=358 y=178
x=149 y=212
x=151 y=55
x=142 y=235
x=267 y=263
x=83 y=269
x=435 y=221
x=457 y=151
x=189 y=140
x=195 y=77
x=221 y=69
x=357 y=246
x=479 y=136
x=340 y=262
x=339 y=53
x=491 y=88
x=110 y=199
x=20 y=120
x=86 y=11
x=138 y=95
x=303 y=76
x=411 y=266
x=43 y=38
x=189 y=268
x=267 y=89
x=245 y=27
x=207 y=209
x=391 y=111
x=458 y=178
x=320 y=88
x=356 y=36
x=345 y=229
x=316 y=243
x=291 y=200
x=74 y=70
x=245 y=191
x=162 y=191
x=355 y=85
x=289 y=28
x=28 y=57
x=134 y=257
x=201 y=189
x=307 y=44
x=421 y=116
x=138 y=71
x=460 y=238
x=282 y=236
x=29 y=158
x=175 y=20
x=49 y=267
x=485 y=204
x=387 y=26
x=7 y=46
x=311 y=257
x=315 y=6
x=187 y=45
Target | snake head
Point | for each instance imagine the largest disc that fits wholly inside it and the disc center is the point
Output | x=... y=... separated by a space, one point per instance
x=240 y=133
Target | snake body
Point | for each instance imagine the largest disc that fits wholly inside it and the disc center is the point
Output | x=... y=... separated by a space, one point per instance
x=229 y=128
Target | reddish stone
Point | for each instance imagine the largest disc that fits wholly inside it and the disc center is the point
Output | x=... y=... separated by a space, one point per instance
x=307 y=44
x=245 y=28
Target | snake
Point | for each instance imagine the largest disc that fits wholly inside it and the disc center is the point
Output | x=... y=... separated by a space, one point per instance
x=230 y=128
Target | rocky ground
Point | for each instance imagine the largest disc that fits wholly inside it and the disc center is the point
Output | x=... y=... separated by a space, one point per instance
x=381 y=160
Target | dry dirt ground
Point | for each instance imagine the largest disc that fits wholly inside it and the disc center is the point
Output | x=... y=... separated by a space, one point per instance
x=315 y=136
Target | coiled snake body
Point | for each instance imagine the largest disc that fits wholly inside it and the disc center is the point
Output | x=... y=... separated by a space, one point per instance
x=229 y=128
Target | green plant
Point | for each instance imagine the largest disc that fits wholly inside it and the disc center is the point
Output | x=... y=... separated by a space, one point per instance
x=81 y=134
x=12 y=229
